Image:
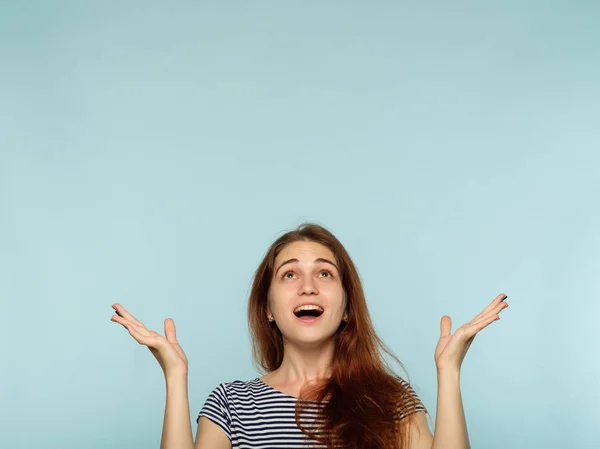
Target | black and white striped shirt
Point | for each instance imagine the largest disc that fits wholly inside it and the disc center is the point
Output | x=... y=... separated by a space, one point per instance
x=254 y=415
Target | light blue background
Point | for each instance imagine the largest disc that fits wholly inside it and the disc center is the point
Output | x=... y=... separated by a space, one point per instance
x=151 y=151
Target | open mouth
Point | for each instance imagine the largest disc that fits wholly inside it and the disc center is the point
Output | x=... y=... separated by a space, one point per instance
x=308 y=313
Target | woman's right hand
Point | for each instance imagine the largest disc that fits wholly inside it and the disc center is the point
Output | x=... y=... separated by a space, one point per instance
x=167 y=351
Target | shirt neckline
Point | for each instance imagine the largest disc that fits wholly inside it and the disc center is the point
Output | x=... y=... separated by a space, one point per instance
x=281 y=393
x=262 y=382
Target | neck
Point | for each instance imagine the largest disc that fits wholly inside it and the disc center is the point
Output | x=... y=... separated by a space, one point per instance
x=305 y=364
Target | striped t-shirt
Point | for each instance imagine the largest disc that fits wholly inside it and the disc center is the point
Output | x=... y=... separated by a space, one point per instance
x=255 y=415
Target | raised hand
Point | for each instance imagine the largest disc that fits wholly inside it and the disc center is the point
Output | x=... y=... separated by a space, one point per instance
x=166 y=349
x=452 y=348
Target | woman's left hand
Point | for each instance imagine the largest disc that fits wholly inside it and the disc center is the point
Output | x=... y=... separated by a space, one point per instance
x=452 y=348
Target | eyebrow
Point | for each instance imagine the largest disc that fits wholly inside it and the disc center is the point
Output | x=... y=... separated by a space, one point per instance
x=317 y=260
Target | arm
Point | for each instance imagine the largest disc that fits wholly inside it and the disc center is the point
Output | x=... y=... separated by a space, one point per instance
x=210 y=436
x=177 y=428
x=450 y=423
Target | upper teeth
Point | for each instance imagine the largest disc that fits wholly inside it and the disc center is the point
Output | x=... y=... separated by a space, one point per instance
x=308 y=307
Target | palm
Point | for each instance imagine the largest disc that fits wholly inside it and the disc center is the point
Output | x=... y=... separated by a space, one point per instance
x=452 y=348
x=171 y=353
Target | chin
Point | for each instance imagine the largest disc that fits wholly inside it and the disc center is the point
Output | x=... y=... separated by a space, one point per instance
x=311 y=339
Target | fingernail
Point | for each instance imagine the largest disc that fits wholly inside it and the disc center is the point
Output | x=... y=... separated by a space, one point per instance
x=114 y=307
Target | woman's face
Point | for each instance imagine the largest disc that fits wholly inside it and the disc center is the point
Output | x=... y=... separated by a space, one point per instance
x=306 y=273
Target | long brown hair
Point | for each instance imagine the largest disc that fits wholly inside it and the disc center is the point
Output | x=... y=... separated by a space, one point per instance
x=363 y=399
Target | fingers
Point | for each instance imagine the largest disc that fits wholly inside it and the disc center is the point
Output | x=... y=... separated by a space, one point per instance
x=490 y=314
x=170 y=331
x=142 y=335
x=134 y=329
x=130 y=325
x=171 y=337
x=494 y=312
x=474 y=328
x=121 y=311
x=445 y=326
x=139 y=332
x=497 y=300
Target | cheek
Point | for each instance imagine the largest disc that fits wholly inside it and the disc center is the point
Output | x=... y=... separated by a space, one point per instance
x=282 y=290
x=275 y=297
x=337 y=294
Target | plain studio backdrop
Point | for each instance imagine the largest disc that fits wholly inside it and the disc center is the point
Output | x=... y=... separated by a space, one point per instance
x=151 y=151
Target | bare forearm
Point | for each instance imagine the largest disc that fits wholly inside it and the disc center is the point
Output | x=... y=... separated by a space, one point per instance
x=450 y=423
x=177 y=428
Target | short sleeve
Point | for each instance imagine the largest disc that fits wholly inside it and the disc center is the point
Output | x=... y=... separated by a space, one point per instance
x=216 y=408
x=411 y=404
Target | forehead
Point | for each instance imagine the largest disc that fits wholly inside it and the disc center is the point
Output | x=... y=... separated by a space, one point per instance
x=305 y=251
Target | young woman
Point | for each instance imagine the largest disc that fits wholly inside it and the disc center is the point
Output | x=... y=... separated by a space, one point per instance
x=326 y=383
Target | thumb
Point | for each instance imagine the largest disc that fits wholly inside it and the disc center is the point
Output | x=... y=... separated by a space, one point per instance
x=170 y=331
x=445 y=326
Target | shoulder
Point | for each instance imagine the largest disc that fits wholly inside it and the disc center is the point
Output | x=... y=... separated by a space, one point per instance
x=227 y=397
x=409 y=388
x=240 y=390
x=243 y=385
x=410 y=402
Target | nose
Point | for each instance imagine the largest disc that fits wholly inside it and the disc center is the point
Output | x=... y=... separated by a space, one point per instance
x=308 y=287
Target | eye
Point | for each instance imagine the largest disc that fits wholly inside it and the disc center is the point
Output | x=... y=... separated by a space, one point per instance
x=329 y=273
x=285 y=275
